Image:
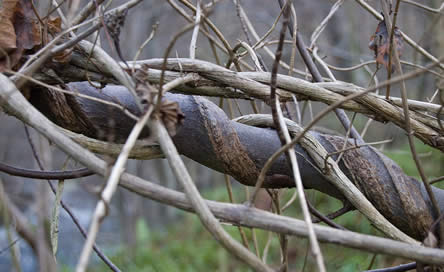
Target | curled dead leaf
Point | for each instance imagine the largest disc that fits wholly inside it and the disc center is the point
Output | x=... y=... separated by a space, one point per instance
x=7 y=32
x=55 y=27
x=171 y=116
x=143 y=88
x=169 y=111
x=19 y=31
x=380 y=44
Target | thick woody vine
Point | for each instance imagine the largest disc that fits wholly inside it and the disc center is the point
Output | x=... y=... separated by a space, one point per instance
x=59 y=66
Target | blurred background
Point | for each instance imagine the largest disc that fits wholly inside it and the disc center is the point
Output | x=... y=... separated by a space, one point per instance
x=142 y=235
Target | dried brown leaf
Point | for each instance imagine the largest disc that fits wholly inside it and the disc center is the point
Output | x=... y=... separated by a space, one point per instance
x=26 y=25
x=171 y=116
x=63 y=57
x=19 y=31
x=7 y=32
x=380 y=44
x=54 y=25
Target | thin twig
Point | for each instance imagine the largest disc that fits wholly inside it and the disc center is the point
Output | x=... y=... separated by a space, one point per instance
x=407 y=121
x=283 y=239
x=318 y=78
x=284 y=137
x=7 y=224
x=36 y=174
x=165 y=58
x=112 y=67
x=399 y=268
x=441 y=178
x=323 y=218
x=333 y=215
x=260 y=40
x=317 y=32
x=21 y=224
x=204 y=213
x=107 y=193
x=406 y=38
x=195 y=30
x=150 y=37
x=424 y=7
x=363 y=64
x=231 y=198
x=68 y=210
